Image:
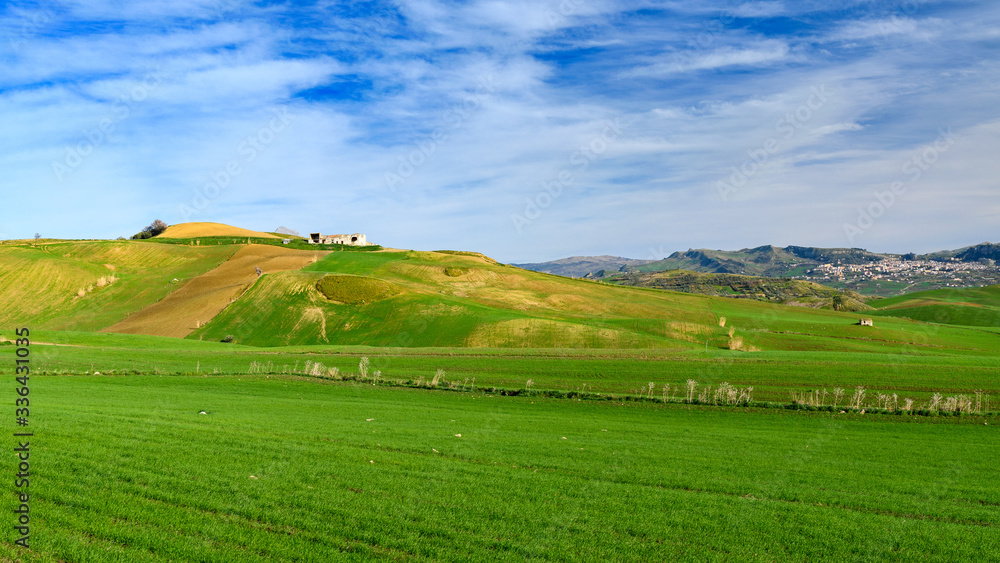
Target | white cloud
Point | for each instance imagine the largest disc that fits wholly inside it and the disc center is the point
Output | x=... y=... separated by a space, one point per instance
x=763 y=53
x=885 y=28
x=760 y=9
x=837 y=128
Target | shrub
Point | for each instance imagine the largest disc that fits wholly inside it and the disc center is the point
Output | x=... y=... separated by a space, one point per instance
x=229 y=338
x=153 y=229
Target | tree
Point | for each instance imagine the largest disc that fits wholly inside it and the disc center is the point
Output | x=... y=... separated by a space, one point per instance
x=155 y=228
x=38 y=236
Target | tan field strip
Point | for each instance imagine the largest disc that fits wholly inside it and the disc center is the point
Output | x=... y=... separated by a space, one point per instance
x=202 y=298
x=194 y=230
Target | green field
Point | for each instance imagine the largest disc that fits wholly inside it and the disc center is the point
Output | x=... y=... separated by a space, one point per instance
x=281 y=468
x=908 y=371
x=978 y=306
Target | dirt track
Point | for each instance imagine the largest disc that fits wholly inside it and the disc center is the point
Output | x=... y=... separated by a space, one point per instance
x=202 y=298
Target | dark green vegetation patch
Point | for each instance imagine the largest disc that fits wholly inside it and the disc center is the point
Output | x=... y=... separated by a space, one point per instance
x=355 y=290
x=776 y=290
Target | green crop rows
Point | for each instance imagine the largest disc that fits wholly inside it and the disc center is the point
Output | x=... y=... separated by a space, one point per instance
x=279 y=468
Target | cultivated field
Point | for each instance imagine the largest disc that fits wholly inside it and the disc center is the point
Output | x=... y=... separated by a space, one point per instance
x=202 y=298
x=281 y=468
x=775 y=376
x=92 y=285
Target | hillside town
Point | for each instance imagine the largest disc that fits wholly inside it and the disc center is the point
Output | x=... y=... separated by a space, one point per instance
x=898 y=275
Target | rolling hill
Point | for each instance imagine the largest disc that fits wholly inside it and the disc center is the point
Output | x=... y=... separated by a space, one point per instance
x=964 y=307
x=403 y=299
x=436 y=299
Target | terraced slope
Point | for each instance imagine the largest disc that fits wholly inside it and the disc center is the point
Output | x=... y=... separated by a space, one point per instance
x=202 y=298
x=91 y=285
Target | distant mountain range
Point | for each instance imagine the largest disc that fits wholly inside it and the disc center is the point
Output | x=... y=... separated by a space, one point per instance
x=287 y=231
x=768 y=261
x=585 y=266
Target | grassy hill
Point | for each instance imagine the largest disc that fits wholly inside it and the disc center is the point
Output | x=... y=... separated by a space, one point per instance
x=405 y=299
x=449 y=299
x=966 y=307
x=454 y=300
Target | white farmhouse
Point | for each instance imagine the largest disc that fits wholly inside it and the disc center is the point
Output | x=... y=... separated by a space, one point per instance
x=357 y=239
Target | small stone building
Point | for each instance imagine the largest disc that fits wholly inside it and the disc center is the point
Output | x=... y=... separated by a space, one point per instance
x=866 y=322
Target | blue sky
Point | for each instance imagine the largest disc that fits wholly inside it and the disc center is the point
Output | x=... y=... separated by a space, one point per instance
x=528 y=130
